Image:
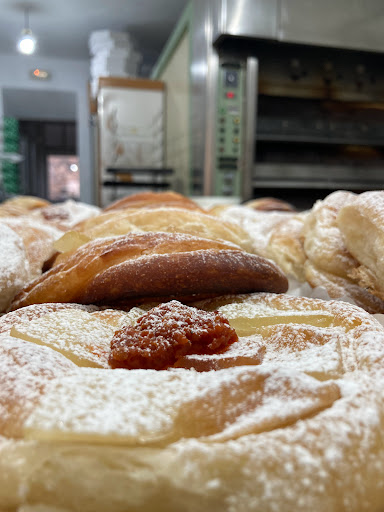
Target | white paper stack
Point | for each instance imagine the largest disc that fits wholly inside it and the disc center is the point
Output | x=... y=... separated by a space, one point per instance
x=113 y=54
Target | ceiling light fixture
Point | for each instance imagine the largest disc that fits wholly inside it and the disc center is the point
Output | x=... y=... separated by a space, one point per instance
x=27 y=41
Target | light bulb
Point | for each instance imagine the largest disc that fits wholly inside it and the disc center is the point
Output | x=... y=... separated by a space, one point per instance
x=27 y=42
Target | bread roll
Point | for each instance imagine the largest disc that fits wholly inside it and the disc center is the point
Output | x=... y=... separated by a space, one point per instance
x=302 y=430
x=144 y=266
x=161 y=219
x=21 y=205
x=154 y=200
x=270 y=204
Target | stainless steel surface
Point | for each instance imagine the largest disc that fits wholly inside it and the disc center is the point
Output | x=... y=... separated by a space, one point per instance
x=202 y=58
x=349 y=24
x=250 y=126
x=249 y=18
x=210 y=138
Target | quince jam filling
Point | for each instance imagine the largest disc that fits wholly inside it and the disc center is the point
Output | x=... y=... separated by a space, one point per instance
x=168 y=332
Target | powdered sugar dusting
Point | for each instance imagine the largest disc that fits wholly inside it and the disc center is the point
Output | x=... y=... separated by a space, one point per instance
x=36 y=310
x=330 y=460
x=24 y=370
x=301 y=430
x=246 y=351
x=126 y=410
x=76 y=334
x=38 y=238
x=67 y=214
x=14 y=267
x=258 y=224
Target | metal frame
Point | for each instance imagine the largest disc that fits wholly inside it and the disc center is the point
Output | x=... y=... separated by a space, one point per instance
x=252 y=68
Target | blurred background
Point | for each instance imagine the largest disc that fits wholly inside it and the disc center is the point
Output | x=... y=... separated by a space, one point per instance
x=226 y=99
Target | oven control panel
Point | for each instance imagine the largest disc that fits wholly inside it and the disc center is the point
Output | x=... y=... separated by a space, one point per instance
x=229 y=120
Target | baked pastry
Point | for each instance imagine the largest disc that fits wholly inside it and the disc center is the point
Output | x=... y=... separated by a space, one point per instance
x=168 y=219
x=361 y=223
x=154 y=200
x=38 y=239
x=143 y=266
x=25 y=244
x=342 y=288
x=14 y=268
x=323 y=242
x=300 y=428
x=21 y=205
x=270 y=204
x=257 y=224
x=330 y=264
x=66 y=214
x=277 y=235
x=162 y=219
x=286 y=246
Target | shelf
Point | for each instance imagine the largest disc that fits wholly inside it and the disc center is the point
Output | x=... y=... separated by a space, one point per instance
x=140 y=170
x=156 y=173
x=318 y=139
x=316 y=184
x=151 y=184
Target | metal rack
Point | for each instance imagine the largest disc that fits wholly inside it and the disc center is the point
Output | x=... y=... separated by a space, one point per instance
x=147 y=177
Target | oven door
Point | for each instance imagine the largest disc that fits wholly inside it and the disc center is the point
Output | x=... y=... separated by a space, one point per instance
x=310 y=121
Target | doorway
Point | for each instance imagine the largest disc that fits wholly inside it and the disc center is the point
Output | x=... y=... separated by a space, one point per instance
x=47 y=142
x=50 y=168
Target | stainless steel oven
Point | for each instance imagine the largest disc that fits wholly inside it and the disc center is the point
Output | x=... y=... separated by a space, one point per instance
x=286 y=97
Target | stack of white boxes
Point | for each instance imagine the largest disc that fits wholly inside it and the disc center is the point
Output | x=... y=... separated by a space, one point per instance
x=112 y=54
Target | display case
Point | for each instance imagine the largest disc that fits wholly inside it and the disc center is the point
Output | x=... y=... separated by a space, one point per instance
x=130 y=117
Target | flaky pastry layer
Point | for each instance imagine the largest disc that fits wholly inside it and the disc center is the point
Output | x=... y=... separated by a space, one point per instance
x=300 y=428
x=152 y=265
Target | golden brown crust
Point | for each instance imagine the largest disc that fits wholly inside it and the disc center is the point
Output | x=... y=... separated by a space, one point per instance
x=270 y=204
x=169 y=219
x=152 y=200
x=152 y=265
x=21 y=205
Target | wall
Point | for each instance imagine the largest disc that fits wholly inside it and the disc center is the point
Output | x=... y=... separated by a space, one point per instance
x=176 y=76
x=66 y=76
x=43 y=104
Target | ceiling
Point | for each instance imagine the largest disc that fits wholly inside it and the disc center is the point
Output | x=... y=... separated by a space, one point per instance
x=62 y=27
